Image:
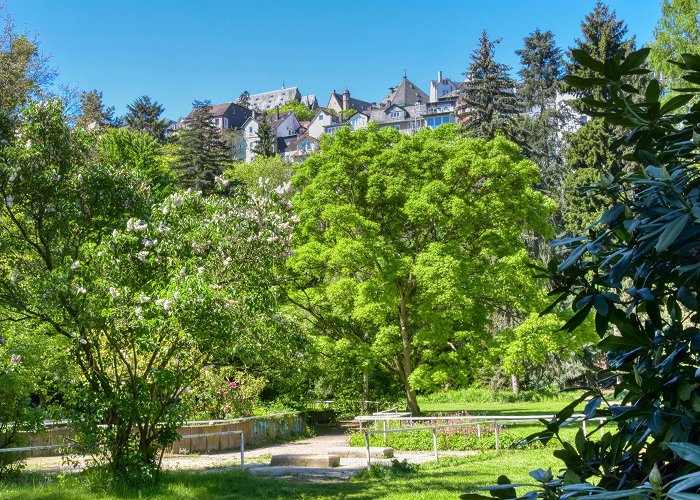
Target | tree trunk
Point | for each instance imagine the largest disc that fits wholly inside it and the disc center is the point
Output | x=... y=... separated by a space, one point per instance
x=406 y=363
x=515 y=384
x=365 y=389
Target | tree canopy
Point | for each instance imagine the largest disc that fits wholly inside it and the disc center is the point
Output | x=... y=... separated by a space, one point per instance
x=405 y=244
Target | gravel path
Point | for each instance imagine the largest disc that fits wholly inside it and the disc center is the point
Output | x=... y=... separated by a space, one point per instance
x=257 y=459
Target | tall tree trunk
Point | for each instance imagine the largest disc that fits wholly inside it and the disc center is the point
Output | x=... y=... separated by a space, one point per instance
x=515 y=384
x=365 y=389
x=406 y=364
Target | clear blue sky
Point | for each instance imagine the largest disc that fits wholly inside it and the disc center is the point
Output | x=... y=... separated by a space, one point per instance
x=180 y=50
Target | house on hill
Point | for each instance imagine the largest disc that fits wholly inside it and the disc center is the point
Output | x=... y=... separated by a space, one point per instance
x=228 y=115
x=343 y=102
x=406 y=119
x=285 y=126
x=269 y=100
x=406 y=93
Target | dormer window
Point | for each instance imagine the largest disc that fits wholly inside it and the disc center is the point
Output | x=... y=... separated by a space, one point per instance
x=395 y=114
x=320 y=116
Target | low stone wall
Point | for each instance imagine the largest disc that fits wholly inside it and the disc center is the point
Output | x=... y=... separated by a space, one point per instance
x=256 y=430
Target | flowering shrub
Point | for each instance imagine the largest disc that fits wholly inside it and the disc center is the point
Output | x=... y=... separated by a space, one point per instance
x=221 y=393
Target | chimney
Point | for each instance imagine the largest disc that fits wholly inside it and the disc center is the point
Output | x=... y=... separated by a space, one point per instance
x=440 y=76
x=277 y=112
x=346 y=100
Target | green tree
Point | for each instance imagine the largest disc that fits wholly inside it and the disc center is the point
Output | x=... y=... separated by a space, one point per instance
x=265 y=145
x=539 y=129
x=141 y=293
x=676 y=33
x=405 y=243
x=273 y=171
x=24 y=73
x=603 y=37
x=93 y=114
x=139 y=152
x=244 y=99
x=487 y=101
x=299 y=108
x=144 y=115
x=202 y=153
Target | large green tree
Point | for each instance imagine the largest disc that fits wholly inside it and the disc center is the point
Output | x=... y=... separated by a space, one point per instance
x=487 y=101
x=144 y=115
x=539 y=130
x=265 y=144
x=141 y=291
x=405 y=244
x=202 y=154
x=93 y=113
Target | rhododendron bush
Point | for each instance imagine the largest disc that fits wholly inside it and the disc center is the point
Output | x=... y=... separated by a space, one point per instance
x=143 y=292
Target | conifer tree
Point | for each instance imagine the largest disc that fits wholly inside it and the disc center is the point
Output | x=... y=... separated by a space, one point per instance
x=487 y=102
x=144 y=115
x=265 y=146
x=603 y=37
x=202 y=154
x=539 y=129
x=93 y=113
x=244 y=99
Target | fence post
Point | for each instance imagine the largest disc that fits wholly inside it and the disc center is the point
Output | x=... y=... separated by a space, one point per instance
x=498 y=444
x=435 y=446
x=583 y=423
x=478 y=431
x=369 y=462
x=242 y=449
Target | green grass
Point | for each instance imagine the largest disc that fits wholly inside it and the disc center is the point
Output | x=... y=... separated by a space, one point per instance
x=445 y=479
x=493 y=408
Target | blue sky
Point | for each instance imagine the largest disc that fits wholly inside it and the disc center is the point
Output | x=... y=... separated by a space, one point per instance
x=180 y=50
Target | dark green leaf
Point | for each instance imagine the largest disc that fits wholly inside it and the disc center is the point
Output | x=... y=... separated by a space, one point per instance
x=635 y=59
x=675 y=102
x=653 y=90
x=669 y=235
x=687 y=451
x=585 y=60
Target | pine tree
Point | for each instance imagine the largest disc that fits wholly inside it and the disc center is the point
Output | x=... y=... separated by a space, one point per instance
x=603 y=38
x=487 y=102
x=244 y=99
x=93 y=113
x=539 y=129
x=265 y=146
x=144 y=115
x=202 y=154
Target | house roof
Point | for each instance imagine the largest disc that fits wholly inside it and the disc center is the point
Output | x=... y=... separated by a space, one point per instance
x=406 y=93
x=309 y=101
x=409 y=113
x=218 y=109
x=356 y=104
x=268 y=100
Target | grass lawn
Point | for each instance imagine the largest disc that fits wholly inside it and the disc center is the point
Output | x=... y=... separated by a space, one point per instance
x=445 y=479
x=493 y=408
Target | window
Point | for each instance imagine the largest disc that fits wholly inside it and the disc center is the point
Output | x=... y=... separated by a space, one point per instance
x=250 y=130
x=225 y=122
x=397 y=127
x=395 y=114
x=320 y=117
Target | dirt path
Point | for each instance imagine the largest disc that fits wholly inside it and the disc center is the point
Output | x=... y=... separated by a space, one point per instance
x=257 y=459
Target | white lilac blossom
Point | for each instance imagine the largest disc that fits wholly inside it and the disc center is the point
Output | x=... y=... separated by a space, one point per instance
x=75 y=265
x=178 y=200
x=143 y=298
x=13 y=177
x=114 y=233
x=138 y=312
x=82 y=341
x=9 y=201
x=200 y=270
x=142 y=255
x=114 y=292
x=221 y=181
x=136 y=225
x=81 y=290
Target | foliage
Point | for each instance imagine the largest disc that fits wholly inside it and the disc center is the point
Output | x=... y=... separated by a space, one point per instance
x=140 y=153
x=265 y=144
x=141 y=294
x=480 y=395
x=406 y=244
x=93 y=113
x=202 y=155
x=603 y=38
x=637 y=269
x=222 y=392
x=487 y=100
x=24 y=74
x=274 y=171
x=244 y=99
x=301 y=111
x=676 y=33
x=21 y=371
x=144 y=115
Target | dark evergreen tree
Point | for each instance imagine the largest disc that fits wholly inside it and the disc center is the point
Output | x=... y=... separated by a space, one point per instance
x=93 y=113
x=603 y=37
x=202 y=154
x=144 y=115
x=487 y=102
x=244 y=99
x=265 y=146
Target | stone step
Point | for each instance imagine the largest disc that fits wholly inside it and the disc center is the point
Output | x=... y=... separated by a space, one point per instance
x=306 y=460
x=356 y=452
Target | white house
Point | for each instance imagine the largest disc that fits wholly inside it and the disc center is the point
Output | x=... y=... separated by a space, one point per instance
x=285 y=126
